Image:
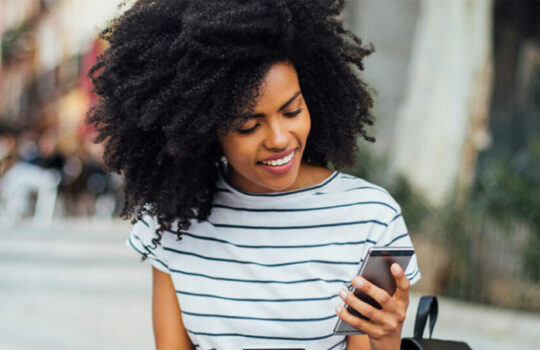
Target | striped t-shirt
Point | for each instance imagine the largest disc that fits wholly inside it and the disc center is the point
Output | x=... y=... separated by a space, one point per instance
x=264 y=270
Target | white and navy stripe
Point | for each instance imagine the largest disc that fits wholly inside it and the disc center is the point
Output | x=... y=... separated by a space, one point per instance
x=265 y=269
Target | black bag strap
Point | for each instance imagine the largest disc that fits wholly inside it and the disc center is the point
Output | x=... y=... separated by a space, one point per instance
x=427 y=306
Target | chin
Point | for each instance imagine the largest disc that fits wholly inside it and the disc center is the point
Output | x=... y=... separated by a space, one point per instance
x=280 y=185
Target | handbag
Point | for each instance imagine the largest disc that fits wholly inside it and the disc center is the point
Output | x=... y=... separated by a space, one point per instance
x=429 y=307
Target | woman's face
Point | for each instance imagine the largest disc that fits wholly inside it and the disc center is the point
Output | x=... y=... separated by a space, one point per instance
x=265 y=152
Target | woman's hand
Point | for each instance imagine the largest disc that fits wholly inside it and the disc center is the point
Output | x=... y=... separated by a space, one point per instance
x=384 y=326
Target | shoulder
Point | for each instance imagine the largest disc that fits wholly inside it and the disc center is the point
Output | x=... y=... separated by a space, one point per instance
x=148 y=229
x=145 y=240
x=357 y=187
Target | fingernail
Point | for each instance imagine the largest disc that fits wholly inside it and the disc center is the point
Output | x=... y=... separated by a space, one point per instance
x=339 y=309
x=396 y=268
x=343 y=294
x=358 y=282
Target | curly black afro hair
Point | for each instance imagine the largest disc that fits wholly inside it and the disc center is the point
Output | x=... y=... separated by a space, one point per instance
x=176 y=72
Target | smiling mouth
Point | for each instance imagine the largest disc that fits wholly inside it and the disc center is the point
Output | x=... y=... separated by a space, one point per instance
x=280 y=161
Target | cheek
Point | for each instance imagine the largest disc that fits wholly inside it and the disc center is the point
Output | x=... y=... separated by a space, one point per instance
x=237 y=159
x=238 y=150
x=305 y=126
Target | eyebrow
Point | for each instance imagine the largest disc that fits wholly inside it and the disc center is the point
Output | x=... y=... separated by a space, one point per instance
x=260 y=115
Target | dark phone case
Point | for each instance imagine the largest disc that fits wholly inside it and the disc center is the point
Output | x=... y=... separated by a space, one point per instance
x=376 y=275
x=376 y=269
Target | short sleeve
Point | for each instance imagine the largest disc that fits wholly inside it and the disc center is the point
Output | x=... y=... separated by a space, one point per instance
x=140 y=240
x=396 y=235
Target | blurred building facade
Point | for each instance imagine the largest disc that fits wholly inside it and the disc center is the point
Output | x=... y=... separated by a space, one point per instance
x=433 y=68
x=454 y=81
x=47 y=47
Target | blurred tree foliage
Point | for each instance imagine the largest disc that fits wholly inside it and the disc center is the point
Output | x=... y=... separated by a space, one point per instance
x=16 y=42
x=509 y=187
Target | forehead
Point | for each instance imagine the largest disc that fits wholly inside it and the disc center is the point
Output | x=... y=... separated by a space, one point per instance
x=277 y=86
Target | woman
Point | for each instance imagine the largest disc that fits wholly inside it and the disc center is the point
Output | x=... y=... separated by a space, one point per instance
x=224 y=118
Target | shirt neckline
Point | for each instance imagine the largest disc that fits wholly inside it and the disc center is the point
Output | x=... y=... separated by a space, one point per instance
x=225 y=186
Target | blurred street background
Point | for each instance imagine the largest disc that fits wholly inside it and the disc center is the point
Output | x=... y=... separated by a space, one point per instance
x=457 y=116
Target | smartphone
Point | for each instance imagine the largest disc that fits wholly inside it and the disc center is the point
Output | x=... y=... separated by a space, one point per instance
x=376 y=269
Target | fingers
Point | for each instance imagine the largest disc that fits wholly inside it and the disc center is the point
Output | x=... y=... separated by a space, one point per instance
x=378 y=294
x=358 y=323
x=360 y=306
x=380 y=322
x=373 y=330
x=402 y=284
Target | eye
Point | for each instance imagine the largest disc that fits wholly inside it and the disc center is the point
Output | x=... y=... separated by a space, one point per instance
x=247 y=131
x=292 y=114
x=247 y=126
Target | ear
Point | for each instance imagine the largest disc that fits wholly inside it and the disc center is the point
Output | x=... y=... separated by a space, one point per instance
x=219 y=155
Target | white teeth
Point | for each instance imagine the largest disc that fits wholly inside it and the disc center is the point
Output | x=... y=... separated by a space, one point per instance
x=281 y=161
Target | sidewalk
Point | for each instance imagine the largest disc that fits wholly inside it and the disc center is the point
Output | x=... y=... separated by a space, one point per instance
x=77 y=286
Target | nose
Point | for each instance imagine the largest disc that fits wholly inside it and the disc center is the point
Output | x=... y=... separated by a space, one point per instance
x=277 y=136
